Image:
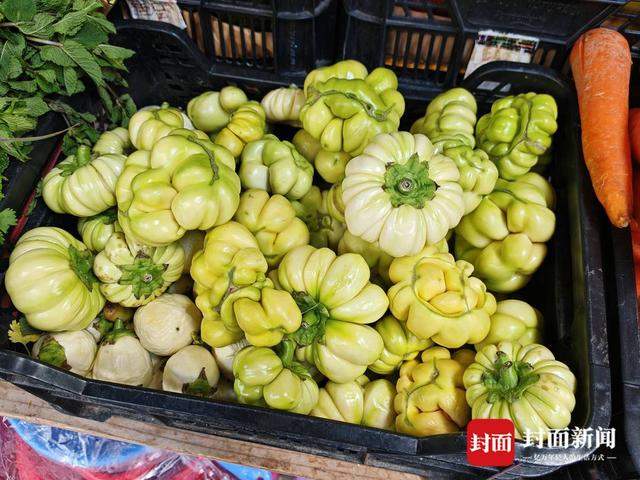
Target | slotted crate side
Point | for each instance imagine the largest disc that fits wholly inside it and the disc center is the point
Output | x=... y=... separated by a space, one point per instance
x=432 y=41
x=418 y=40
x=284 y=37
x=238 y=38
x=271 y=38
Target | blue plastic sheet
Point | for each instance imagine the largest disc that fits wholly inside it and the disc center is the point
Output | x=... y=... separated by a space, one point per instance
x=90 y=457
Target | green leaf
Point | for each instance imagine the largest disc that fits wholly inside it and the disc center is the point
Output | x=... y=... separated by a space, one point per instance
x=69 y=144
x=71 y=23
x=90 y=35
x=18 y=123
x=10 y=66
x=41 y=26
x=129 y=107
x=82 y=4
x=36 y=105
x=21 y=332
x=84 y=60
x=19 y=10
x=70 y=80
x=100 y=20
x=19 y=151
x=53 y=5
x=27 y=86
x=4 y=163
x=114 y=52
x=47 y=74
x=114 y=77
x=17 y=41
x=73 y=115
x=47 y=87
x=57 y=55
x=7 y=220
x=105 y=98
x=35 y=59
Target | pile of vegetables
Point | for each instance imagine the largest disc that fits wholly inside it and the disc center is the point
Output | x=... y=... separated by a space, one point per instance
x=348 y=274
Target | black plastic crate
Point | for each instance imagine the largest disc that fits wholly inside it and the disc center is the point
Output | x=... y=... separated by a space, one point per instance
x=569 y=289
x=429 y=43
x=278 y=38
x=626 y=306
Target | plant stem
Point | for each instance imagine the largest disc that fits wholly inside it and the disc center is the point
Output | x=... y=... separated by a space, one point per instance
x=43 y=41
x=39 y=137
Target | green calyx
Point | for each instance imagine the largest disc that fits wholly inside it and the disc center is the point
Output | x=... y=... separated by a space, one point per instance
x=102 y=325
x=80 y=159
x=200 y=387
x=317 y=221
x=81 y=262
x=52 y=352
x=409 y=183
x=286 y=351
x=107 y=217
x=314 y=319
x=508 y=380
x=144 y=275
x=119 y=330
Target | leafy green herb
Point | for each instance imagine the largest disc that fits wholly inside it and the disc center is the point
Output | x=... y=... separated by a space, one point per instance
x=21 y=332
x=7 y=220
x=51 y=49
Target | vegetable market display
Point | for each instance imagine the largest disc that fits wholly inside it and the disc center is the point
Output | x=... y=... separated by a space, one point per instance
x=347 y=271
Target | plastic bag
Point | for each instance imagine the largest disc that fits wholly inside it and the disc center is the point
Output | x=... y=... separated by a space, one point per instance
x=38 y=452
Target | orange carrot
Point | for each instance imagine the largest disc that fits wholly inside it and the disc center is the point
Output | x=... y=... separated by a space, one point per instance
x=634 y=133
x=635 y=227
x=601 y=66
x=636 y=194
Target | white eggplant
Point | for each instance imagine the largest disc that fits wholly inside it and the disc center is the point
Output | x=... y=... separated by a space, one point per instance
x=122 y=359
x=73 y=351
x=167 y=324
x=191 y=370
